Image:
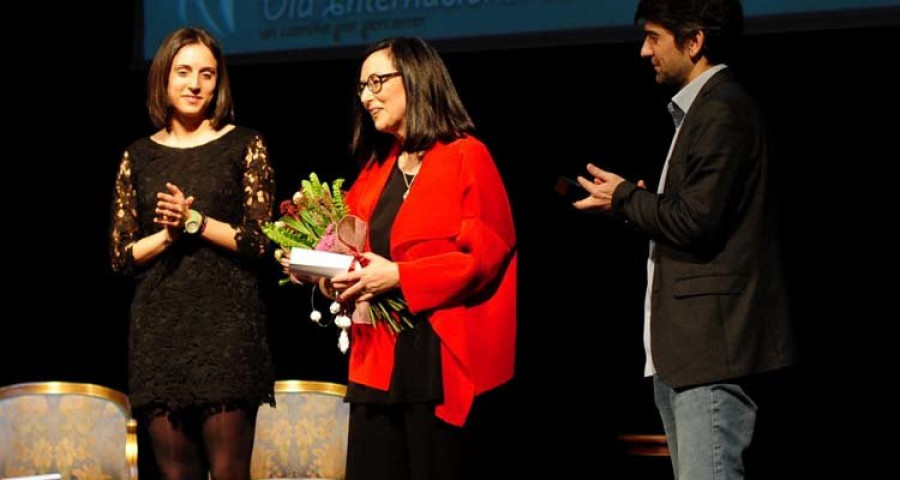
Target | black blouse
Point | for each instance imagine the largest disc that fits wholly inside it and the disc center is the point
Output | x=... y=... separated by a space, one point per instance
x=416 y=377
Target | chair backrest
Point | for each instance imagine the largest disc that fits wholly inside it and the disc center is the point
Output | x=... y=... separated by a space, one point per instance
x=305 y=435
x=645 y=445
x=77 y=430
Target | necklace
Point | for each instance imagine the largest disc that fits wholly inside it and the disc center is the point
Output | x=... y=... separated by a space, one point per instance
x=408 y=180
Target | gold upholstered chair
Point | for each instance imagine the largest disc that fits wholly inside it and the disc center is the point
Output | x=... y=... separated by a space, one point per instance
x=305 y=435
x=76 y=430
x=645 y=445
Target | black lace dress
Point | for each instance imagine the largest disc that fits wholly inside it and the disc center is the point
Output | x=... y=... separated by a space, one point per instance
x=198 y=334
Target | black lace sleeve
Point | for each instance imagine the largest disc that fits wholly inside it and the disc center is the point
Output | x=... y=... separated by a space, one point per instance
x=124 y=224
x=259 y=190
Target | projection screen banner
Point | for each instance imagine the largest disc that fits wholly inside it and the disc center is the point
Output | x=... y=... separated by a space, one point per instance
x=265 y=26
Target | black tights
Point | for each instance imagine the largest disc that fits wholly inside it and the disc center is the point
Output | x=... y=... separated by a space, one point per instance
x=196 y=440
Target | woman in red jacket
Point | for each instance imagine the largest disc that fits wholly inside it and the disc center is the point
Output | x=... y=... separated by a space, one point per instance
x=441 y=235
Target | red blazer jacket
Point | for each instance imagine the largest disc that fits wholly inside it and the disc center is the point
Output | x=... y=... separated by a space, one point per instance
x=455 y=244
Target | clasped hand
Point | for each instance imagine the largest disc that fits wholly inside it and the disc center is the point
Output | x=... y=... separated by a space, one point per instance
x=172 y=208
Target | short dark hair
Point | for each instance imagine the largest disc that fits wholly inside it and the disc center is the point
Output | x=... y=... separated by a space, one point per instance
x=433 y=108
x=722 y=22
x=221 y=110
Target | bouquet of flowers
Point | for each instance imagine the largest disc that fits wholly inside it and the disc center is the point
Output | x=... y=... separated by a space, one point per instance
x=309 y=216
x=316 y=218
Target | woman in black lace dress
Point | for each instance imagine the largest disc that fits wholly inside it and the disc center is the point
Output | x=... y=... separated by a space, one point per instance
x=189 y=204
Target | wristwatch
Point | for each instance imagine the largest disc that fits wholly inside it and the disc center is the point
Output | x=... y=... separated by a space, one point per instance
x=195 y=223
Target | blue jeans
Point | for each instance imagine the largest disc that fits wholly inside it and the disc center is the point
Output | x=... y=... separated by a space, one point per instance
x=708 y=428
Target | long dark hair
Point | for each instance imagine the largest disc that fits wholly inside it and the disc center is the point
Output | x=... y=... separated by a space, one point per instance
x=434 y=111
x=221 y=109
x=722 y=22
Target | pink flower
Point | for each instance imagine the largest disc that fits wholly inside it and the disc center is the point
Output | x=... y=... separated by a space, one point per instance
x=328 y=240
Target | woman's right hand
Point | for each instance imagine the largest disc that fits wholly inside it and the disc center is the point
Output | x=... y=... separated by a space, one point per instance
x=378 y=276
x=327 y=288
x=172 y=209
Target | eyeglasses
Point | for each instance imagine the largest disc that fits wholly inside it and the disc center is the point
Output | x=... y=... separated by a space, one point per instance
x=375 y=82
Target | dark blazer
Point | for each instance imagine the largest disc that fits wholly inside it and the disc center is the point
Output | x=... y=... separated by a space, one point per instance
x=719 y=306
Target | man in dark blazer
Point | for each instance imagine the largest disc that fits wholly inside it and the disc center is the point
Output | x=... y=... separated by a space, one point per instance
x=716 y=311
